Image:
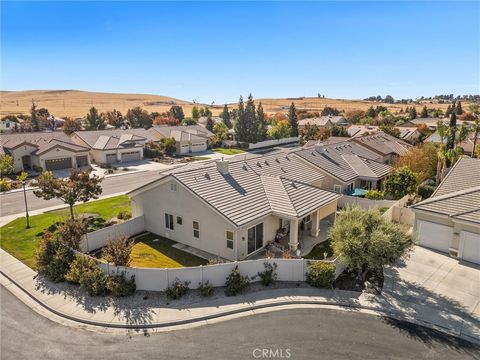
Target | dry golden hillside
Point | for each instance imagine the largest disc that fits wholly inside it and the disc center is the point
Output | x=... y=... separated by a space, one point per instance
x=76 y=103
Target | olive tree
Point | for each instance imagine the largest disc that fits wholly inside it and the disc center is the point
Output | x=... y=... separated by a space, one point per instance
x=365 y=241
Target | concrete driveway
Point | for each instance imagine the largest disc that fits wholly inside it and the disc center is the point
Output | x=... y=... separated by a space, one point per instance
x=431 y=277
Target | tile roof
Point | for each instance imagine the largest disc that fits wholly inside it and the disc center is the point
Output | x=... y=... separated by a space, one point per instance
x=458 y=195
x=466 y=145
x=406 y=132
x=115 y=138
x=360 y=130
x=186 y=133
x=323 y=120
x=253 y=188
x=345 y=161
x=384 y=144
x=42 y=141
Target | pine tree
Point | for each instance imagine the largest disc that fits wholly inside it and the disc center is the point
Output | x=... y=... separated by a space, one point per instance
x=371 y=112
x=449 y=111
x=210 y=124
x=459 y=110
x=251 y=120
x=195 y=113
x=225 y=115
x=424 y=113
x=94 y=120
x=293 y=120
x=452 y=130
x=413 y=113
x=262 y=124
x=34 y=121
x=240 y=124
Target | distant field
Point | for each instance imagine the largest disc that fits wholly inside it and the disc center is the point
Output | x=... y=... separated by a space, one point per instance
x=76 y=103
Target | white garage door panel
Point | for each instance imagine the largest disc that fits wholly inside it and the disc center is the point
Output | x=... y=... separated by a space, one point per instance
x=434 y=236
x=130 y=156
x=471 y=246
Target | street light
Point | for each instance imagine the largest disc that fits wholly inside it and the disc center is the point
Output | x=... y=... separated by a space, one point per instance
x=23 y=179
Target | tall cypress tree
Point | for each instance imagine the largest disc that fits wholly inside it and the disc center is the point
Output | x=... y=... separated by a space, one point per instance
x=262 y=124
x=452 y=130
x=225 y=115
x=293 y=120
x=459 y=110
x=413 y=113
x=251 y=120
x=210 y=124
x=449 y=111
x=34 y=121
x=424 y=113
x=240 y=124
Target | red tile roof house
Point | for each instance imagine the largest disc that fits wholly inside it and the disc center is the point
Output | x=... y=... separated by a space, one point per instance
x=48 y=150
x=113 y=146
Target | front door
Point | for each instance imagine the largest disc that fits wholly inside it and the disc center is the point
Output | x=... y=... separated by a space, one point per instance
x=26 y=162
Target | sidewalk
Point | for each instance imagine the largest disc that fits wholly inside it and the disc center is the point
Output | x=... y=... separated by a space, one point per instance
x=151 y=310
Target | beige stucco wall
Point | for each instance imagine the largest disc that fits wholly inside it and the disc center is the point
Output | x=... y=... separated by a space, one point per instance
x=18 y=153
x=59 y=153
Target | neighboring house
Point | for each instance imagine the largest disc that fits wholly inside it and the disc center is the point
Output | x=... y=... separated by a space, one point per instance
x=188 y=139
x=329 y=141
x=449 y=221
x=323 y=122
x=387 y=146
x=233 y=209
x=466 y=145
x=361 y=130
x=410 y=134
x=113 y=146
x=48 y=150
x=347 y=166
x=430 y=122
x=203 y=120
x=7 y=125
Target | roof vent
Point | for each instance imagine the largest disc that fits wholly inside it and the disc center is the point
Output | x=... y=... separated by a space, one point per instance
x=266 y=162
x=277 y=160
x=222 y=166
x=207 y=176
x=320 y=148
x=258 y=164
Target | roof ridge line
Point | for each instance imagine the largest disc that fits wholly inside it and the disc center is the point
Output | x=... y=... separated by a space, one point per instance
x=448 y=196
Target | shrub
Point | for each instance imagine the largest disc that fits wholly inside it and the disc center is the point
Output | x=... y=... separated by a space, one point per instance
x=37 y=169
x=119 y=286
x=236 y=282
x=124 y=215
x=206 y=289
x=5 y=186
x=374 y=195
x=321 y=274
x=268 y=275
x=425 y=191
x=215 y=261
x=53 y=257
x=72 y=230
x=177 y=289
x=118 y=251
x=85 y=271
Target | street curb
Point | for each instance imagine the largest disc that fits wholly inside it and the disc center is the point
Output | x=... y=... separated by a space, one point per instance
x=243 y=309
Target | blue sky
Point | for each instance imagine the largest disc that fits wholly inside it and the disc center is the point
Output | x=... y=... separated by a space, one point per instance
x=216 y=51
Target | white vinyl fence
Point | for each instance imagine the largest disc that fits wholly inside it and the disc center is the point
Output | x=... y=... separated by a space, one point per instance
x=399 y=213
x=264 y=144
x=98 y=239
x=152 y=279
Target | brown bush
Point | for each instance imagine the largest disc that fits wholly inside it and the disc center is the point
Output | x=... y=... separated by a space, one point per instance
x=118 y=251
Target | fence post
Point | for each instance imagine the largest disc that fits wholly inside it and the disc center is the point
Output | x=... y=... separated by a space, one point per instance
x=201 y=274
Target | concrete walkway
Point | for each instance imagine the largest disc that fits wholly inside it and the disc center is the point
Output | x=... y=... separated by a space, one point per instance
x=138 y=311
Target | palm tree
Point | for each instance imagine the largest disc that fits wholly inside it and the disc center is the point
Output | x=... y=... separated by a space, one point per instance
x=476 y=132
x=442 y=131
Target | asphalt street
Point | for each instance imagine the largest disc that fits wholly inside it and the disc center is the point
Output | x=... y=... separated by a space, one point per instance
x=13 y=203
x=289 y=334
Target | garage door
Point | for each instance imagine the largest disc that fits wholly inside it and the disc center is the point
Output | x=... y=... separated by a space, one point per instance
x=198 y=147
x=471 y=246
x=111 y=158
x=131 y=156
x=58 y=164
x=434 y=236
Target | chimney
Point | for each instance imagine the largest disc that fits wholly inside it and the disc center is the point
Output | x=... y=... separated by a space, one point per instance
x=222 y=166
x=319 y=147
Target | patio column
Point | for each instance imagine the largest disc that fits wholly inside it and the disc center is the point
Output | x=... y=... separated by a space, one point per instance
x=373 y=184
x=293 y=240
x=315 y=223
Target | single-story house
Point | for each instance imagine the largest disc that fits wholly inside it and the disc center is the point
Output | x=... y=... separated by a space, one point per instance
x=449 y=221
x=233 y=209
x=48 y=150
x=329 y=141
x=203 y=120
x=188 y=139
x=113 y=146
x=347 y=166
x=323 y=121
x=7 y=125
x=361 y=130
x=410 y=135
x=387 y=146
x=430 y=122
x=466 y=145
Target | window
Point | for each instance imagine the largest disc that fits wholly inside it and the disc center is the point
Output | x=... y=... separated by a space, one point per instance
x=173 y=187
x=196 y=229
x=179 y=220
x=169 y=221
x=337 y=188
x=255 y=238
x=230 y=239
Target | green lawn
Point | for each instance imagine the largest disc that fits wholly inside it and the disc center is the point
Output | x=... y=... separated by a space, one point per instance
x=319 y=249
x=229 y=151
x=160 y=254
x=22 y=243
